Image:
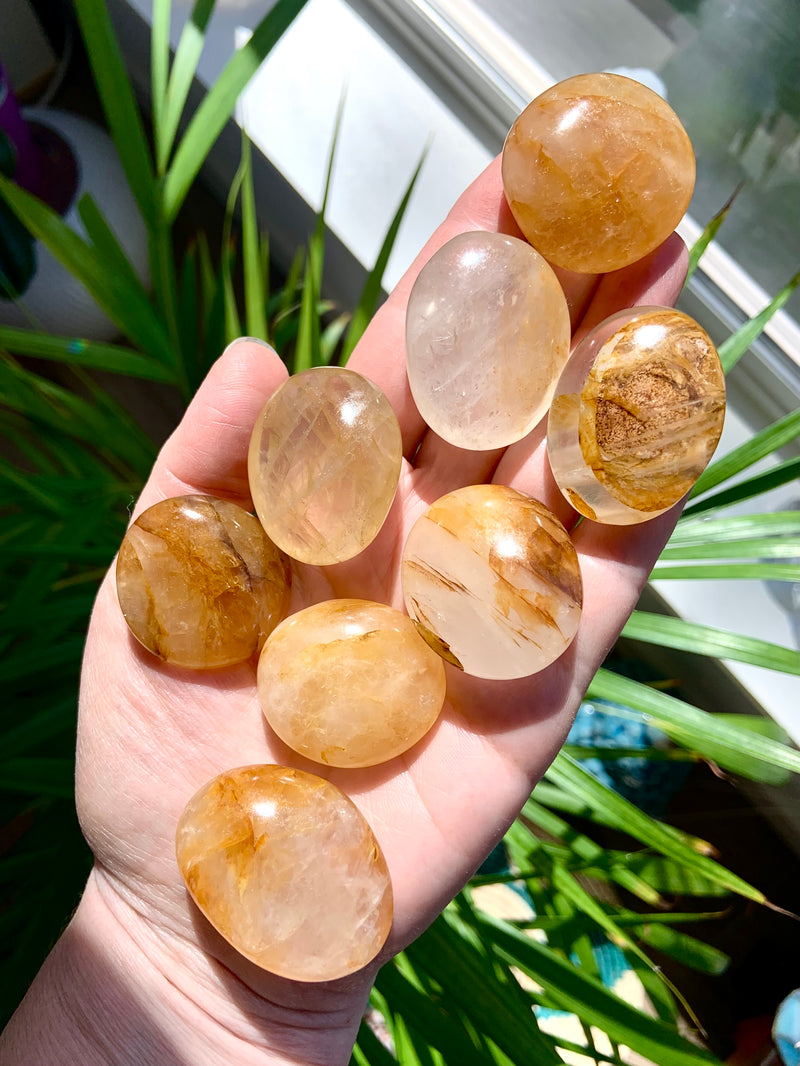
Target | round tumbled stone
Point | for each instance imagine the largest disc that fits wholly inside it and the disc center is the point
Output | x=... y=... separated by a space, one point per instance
x=598 y=171
x=637 y=415
x=492 y=580
x=324 y=463
x=199 y=582
x=350 y=683
x=487 y=334
x=287 y=869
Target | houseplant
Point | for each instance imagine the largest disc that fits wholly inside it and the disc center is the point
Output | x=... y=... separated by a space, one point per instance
x=75 y=461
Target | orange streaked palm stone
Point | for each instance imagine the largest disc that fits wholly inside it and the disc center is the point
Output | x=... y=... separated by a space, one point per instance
x=492 y=580
x=637 y=415
x=324 y=463
x=350 y=683
x=598 y=171
x=286 y=868
x=199 y=582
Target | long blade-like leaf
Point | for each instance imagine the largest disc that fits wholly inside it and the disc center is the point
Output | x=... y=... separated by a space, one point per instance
x=709 y=233
x=668 y=714
x=159 y=62
x=372 y=288
x=76 y=352
x=700 y=530
x=728 y=572
x=254 y=282
x=89 y=267
x=732 y=350
x=749 y=488
x=758 y=447
x=669 y=632
x=753 y=548
x=184 y=67
x=119 y=104
x=217 y=105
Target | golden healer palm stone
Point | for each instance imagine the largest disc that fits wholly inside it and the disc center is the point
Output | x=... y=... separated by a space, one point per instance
x=286 y=868
x=199 y=582
x=350 y=683
x=637 y=415
x=492 y=580
x=597 y=171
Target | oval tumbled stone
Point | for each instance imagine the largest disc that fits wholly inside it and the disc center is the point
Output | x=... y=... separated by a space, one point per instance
x=324 y=463
x=637 y=415
x=287 y=869
x=598 y=171
x=487 y=334
x=350 y=683
x=492 y=580
x=199 y=582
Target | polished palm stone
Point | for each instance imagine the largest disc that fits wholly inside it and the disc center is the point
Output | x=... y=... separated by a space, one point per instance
x=637 y=415
x=492 y=580
x=286 y=868
x=324 y=463
x=350 y=682
x=487 y=334
x=597 y=171
x=199 y=582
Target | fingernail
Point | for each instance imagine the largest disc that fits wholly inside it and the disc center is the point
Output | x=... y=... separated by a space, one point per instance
x=250 y=340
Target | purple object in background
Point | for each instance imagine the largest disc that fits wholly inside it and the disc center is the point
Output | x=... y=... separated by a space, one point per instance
x=28 y=173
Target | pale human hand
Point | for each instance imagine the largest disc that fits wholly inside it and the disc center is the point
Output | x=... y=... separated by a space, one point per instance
x=150 y=735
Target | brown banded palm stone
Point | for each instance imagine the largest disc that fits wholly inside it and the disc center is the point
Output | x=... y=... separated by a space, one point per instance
x=199 y=582
x=487 y=335
x=287 y=869
x=492 y=580
x=324 y=463
x=350 y=683
x=597 y=171
x=637 y=415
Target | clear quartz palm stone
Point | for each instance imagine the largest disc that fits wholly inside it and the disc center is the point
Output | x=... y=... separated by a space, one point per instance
x=286 y=868
x=324 y=462
x=199 y=582
x=350 y=683
x=637 y=414
x=492 y=580
x=487 y=334
x=598 y=171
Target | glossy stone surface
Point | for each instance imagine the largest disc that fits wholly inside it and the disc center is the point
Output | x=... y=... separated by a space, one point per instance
x=350 y=683
x=598 y=171
x=199 y=582
x=487 y=334
x=493 y=582
x=324 y=463
x=637 y=415
x=286 y=868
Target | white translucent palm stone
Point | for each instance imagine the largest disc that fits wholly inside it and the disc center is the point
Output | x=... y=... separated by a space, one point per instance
x=637 y=415
x=487 y=335
x=324 y=463
x=492 y=580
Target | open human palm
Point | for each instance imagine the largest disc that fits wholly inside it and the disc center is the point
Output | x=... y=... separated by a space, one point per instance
x=150 y=735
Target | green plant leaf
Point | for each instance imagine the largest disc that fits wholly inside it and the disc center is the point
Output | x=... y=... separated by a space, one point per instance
x=254 y=280
x=579 y=994
x=569 y=774
x=669 y=632
x=184 y=68
x=753 y=548
x=370 y=295
x=159 y=63
x=697 y=728
x=38 y=777
x=780 y=474
x=732 y=350
x=218 y=103
x=732 y=528
x=119 y=104
x=95 y=355
x=729 y=571
x=760 y=446
x=709 y=233
x=90 y=268
x=685 y=949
